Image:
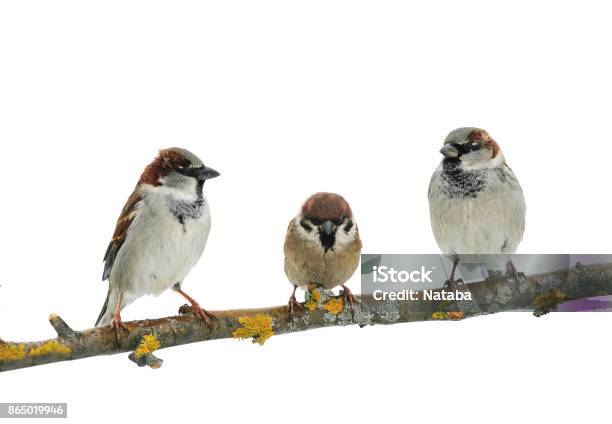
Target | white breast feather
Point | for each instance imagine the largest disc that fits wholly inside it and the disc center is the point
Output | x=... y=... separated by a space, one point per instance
x=158 y=251
x=491 y=223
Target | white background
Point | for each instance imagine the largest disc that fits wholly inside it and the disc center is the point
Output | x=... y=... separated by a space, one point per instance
x=286 y=99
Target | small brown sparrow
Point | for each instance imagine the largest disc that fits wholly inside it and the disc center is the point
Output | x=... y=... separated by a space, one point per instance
x=160 y=235
x=322 y=246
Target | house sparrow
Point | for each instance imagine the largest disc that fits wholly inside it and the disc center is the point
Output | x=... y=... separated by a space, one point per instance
x=322 y=246
x=160 y=234
x=476 y=203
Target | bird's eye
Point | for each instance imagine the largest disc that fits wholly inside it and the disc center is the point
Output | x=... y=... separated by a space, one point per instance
x=316 y=222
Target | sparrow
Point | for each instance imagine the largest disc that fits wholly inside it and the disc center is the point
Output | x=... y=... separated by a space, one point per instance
x=322 y=246
x=160 y=234
x=476 y=203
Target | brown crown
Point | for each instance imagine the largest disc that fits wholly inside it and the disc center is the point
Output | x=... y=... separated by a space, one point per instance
x=484 y=139
x=167 y=161
x=326 y=206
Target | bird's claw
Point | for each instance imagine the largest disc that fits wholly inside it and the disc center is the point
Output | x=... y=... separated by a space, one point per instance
x=350 y=299
x=293 y=304
x=513 y=273
x=203 y=315
x=449 y=283
x=117 y=323
x=516 y=275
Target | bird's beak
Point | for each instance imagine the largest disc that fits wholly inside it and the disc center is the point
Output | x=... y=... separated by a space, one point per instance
x=207 y=173
x=328 y=227
x=449 y=151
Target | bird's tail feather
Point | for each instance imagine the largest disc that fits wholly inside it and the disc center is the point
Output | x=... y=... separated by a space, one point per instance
x=103 y=318
x=110 y=304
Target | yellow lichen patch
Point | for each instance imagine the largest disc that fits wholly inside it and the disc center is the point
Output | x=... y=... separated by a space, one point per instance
x=148 y=344
x=335 y=306
x=316 y=295
x=11 y=352
x=448 y=315
x=438 y=315
x=453 y=315
x=52 y=346
x=549 y=299
x=258 y=327
x=311 y=305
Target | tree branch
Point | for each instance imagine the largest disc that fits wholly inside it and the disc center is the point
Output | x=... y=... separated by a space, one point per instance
x=322 y=309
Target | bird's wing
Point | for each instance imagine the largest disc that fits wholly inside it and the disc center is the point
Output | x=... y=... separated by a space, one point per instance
x=514 y=212
x=289 y=237
x=123 y=223
x=358 y=244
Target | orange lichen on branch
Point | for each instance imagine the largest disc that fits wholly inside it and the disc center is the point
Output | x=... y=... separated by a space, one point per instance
x=311 y=305
x=335 y=306
x=549 y=299
x=52 y=346
x=452 y=315
x=147 y=345
x=316 y=295
x=258 y=327
x=546 y=302
x=11 y=351
x=439 y=315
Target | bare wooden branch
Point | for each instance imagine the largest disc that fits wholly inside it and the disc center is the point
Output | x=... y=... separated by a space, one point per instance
x=542 y=292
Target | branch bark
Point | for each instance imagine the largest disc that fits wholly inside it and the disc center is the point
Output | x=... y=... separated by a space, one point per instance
x=542 y=292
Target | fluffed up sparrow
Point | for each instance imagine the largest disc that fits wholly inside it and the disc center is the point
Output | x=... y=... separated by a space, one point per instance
x=322 y=246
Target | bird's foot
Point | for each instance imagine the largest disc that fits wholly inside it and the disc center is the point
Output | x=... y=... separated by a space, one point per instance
x=117 y=323
x=293 y=305
x=516 y=276
x=448 y=284
x=203 y=315
x=512 y=272
x=349 y=298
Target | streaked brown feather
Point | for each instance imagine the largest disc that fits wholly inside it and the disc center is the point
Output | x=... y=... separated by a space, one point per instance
x=128 y=213
x=162 y=165
x=484 y=139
